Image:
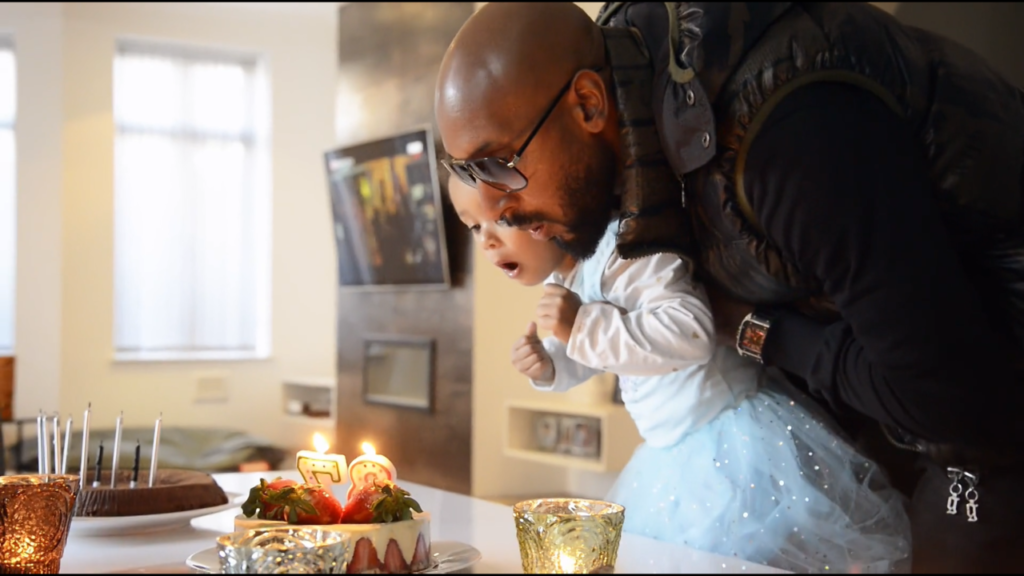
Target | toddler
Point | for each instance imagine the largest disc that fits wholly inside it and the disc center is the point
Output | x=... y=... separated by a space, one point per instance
x=734 y=461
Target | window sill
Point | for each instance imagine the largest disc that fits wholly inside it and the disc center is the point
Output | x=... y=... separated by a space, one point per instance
x=190 y=356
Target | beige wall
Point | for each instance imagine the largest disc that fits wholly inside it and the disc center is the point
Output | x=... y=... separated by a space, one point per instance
x=992 y=29
x=37 y=34
x=889 y=7
x=65 y=243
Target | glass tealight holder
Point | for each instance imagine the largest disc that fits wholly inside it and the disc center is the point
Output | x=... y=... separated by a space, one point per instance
x=35 y=514
x=284 y=550
x=568 y=535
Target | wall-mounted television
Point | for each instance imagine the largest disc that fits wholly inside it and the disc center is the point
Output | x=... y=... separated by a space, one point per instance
x=386 y=203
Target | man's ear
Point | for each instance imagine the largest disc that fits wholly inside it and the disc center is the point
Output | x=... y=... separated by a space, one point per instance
x=589 y=98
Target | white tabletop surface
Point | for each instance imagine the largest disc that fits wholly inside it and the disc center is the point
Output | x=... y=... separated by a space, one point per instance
x=484 y=525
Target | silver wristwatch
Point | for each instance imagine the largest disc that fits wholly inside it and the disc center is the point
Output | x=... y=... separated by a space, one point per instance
x=751 y=335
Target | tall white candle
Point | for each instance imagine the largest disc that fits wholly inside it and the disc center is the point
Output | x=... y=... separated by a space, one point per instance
x=85 y=447
x=39 y=441
x=56 y=443
x=117 y=450
x=67 y=446
x=44 y=429
x=155 y=455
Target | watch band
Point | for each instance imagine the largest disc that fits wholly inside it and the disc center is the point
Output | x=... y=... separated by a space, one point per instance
x=751 y=335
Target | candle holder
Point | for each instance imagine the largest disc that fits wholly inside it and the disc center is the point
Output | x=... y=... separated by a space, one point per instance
x=35 y=513
x=284 y=550
x=568 y=535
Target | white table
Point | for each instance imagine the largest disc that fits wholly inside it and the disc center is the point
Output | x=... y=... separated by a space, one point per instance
x=484 y=525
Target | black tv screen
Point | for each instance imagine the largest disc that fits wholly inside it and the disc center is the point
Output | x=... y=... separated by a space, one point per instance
x=387 y=213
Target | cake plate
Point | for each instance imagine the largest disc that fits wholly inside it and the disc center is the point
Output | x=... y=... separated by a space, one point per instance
x=88 y=526
x=447 y=556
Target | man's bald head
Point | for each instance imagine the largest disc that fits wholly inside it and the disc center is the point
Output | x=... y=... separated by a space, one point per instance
x=502 y=72
x=512 y=58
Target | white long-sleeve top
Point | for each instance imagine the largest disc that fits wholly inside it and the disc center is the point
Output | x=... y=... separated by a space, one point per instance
x=646 y=321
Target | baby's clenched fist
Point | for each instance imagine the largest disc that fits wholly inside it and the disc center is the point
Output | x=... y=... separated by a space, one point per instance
x=531 y=359
x=557 y=310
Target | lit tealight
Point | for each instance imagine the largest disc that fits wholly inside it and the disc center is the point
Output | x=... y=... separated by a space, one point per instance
x=566 y=563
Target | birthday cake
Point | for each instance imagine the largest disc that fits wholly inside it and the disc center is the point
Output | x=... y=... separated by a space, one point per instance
x=174 y=491
x=389 y=531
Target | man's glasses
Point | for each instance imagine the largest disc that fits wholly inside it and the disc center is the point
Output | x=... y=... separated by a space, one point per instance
x=500 y=173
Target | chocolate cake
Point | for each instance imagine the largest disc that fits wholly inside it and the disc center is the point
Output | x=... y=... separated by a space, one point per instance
x=175 y=491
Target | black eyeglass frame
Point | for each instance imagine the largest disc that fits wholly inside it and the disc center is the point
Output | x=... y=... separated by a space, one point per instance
x=465 y=170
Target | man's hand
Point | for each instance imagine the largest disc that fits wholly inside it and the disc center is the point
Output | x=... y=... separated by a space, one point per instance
x=531 y=359
x=557 y=309
x=728 y=313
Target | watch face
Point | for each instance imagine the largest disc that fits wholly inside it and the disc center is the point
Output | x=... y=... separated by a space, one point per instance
x=753 y=337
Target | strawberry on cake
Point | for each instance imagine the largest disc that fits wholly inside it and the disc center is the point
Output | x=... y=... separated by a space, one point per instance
x=390 y=532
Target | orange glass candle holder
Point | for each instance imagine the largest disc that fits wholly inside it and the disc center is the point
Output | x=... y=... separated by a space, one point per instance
x=35 y=513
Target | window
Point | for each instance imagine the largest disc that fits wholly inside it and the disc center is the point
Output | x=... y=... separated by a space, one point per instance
x=8 y=199
x=192 y=229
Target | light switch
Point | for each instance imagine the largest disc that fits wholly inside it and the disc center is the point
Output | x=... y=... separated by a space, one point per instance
x=211 y=388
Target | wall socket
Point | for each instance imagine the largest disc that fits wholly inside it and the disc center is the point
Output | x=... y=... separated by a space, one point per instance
x=211 y=388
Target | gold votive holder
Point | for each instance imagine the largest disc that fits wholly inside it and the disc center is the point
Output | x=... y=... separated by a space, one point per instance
x=568 y=535
x=35 y=513
x=286 y=549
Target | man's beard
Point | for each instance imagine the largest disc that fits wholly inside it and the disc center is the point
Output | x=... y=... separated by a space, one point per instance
x=589 y=202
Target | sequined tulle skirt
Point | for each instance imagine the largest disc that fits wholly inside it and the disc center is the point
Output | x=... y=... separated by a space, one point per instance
x=770 y=483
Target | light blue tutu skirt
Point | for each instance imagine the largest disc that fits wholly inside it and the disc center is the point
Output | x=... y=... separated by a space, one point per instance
x=769 y=482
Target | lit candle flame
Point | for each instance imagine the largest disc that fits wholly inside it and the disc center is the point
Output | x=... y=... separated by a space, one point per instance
x=566 y=563
x=368 y=449
x=320 y=443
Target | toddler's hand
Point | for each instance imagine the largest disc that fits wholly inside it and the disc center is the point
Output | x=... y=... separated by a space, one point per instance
x=531 y=359
x=557 y=311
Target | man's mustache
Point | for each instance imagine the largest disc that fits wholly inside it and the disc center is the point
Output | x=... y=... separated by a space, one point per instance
x=520 y=220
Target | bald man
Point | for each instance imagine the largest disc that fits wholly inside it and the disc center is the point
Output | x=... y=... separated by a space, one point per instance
x=850 y=189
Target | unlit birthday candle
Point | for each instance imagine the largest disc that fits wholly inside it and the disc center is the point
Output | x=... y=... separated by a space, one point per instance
x=135 y=466
x=84 y=464
x=368 y=468
x=39 y=441
x=319 y=467
x=46 y=442
x=117 y=450
x=155 y=454
x=99 y=466
x=57 y=444
x=67 y=446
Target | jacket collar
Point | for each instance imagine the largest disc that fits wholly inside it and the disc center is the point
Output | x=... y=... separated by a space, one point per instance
x=698 y=45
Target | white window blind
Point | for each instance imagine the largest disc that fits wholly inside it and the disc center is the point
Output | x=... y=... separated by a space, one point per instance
x=8 y=198
x=191 y=224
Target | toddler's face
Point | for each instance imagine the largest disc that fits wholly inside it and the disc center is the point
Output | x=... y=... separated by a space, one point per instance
x=521 y=257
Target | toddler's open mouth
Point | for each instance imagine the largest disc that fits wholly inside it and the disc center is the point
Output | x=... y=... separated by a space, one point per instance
x=511 y=269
